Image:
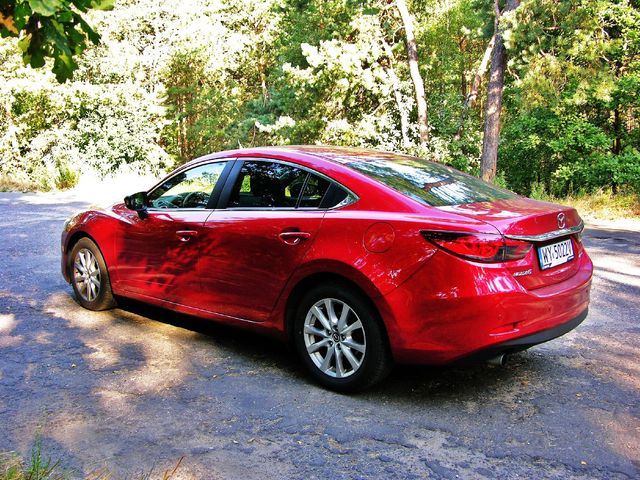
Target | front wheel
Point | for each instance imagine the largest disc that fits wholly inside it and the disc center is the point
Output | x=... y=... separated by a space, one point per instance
x=339 y=337
x=89 y=276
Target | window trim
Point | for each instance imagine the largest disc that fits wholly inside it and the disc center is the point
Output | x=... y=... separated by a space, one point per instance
x=214 y=196
x=233 y=175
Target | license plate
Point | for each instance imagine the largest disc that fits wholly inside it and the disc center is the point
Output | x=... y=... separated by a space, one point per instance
x=555 y=254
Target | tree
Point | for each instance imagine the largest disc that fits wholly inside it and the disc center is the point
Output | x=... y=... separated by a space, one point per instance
x=573 y=105
x=491 y=138
x=50 y=28
x=472 y=97
x=414 y=69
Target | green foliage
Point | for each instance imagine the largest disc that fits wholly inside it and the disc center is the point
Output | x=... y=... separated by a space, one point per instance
x=38 y=468
x=573 y=107
x=50 y=29
x=49 y=131
x=169 y=83
x=66 y=178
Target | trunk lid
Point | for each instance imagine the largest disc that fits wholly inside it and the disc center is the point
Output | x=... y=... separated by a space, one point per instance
x=534 y=221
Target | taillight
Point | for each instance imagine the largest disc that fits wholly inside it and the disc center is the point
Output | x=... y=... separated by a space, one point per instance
x=480 y=247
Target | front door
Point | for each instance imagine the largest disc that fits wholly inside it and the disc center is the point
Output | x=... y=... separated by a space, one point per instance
x=158 y=252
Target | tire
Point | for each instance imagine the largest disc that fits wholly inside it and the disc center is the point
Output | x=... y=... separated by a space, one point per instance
x=89 y=276
x=356 y=344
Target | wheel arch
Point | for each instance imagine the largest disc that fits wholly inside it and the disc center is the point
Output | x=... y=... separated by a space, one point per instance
x=368 y=291
x=73 y=239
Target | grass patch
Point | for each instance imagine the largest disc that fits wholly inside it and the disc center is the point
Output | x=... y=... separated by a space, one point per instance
x=600 y=205
x=12 y=467
x=38 y=468
x=8 y=184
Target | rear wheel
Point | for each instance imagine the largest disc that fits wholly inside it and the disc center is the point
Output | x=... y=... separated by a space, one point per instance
x=339 y=337
x=89 y=276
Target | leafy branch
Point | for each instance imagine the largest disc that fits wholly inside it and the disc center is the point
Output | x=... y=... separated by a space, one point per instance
x=50 y=29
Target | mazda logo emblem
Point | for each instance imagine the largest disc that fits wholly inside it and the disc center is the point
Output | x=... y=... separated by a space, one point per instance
x=562 y=220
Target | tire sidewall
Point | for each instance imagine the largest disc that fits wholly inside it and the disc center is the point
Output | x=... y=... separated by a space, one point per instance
x=104 y=299
x=371 y=323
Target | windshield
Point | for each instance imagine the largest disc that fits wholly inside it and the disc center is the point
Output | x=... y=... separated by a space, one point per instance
x=430 y=183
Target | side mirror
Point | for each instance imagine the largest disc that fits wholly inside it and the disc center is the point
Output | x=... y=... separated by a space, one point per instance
x=137 y=202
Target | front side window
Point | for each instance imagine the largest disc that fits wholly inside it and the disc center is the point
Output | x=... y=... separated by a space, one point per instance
x=188 y=189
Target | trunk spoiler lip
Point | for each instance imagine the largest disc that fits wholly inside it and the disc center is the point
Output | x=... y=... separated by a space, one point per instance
x=543 y=237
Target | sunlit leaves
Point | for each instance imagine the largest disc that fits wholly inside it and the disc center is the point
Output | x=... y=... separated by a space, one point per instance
x=46 y=8
x=50 y=29
x=577 y=77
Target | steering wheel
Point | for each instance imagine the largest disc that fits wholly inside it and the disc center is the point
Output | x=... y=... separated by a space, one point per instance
x=199 y=199
x=163 y=203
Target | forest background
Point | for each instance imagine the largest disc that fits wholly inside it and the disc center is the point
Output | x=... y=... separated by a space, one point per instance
x=168 y=81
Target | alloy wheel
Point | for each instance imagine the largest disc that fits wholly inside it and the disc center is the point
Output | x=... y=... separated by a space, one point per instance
x=334 y=338
x=86 y=275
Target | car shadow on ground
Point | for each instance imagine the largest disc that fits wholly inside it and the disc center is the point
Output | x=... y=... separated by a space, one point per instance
x=409 y=381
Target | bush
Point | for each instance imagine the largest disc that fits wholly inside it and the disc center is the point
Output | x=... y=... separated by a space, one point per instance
x=54 y=133
x=543 y=151
x=67 y=178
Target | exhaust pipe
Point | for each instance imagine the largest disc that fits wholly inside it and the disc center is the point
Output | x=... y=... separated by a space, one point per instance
x=498 y=361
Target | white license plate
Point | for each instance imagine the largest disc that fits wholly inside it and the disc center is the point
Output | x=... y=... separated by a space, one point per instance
x=555 y=254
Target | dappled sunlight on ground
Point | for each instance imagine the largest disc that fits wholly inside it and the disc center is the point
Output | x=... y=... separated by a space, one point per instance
x=617 y=270
x=63 y=306
x=632 y=280
x=621 y=429
x=144 y=357
x=611 y=357
x=7 y=324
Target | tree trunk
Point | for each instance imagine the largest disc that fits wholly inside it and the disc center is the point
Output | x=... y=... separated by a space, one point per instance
x=472 y=97
x=262 y=66
x=617 y=127
x=397 y=93
x=418 y=84
x=491 y=138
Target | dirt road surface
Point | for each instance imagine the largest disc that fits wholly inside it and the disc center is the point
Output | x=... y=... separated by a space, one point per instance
x=133 y=390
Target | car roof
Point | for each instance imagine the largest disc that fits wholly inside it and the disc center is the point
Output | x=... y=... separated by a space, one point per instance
x=343 y=154
x=334 y=154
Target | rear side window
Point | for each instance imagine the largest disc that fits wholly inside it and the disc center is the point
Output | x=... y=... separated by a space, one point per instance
x=267 y=185
x=264 y=184
x=314 y=191
x=429 y=183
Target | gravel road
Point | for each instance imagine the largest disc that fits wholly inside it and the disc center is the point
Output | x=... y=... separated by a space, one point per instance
x=132 y=391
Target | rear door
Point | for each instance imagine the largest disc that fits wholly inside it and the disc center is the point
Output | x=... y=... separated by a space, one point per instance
x=270 y=214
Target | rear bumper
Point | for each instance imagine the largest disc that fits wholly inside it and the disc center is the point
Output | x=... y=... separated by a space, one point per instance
x=452 y=310
x=522 y=343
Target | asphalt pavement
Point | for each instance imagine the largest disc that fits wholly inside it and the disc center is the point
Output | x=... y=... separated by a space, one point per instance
x=133 y=391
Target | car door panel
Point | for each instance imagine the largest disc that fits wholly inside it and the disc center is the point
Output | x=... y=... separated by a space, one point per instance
x=159 y=254
x=159 y=248
x=248 y=256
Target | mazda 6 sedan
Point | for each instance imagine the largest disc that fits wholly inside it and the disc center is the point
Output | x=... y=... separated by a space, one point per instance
x=359 y=258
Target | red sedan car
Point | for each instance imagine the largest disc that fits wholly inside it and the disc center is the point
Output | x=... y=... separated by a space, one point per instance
x=359 y=257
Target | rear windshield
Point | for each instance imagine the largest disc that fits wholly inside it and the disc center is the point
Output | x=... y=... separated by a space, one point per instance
x=430 y=183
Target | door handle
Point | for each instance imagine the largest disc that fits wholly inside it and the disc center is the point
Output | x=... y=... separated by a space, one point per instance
x=294 y=238
x=186 y=235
